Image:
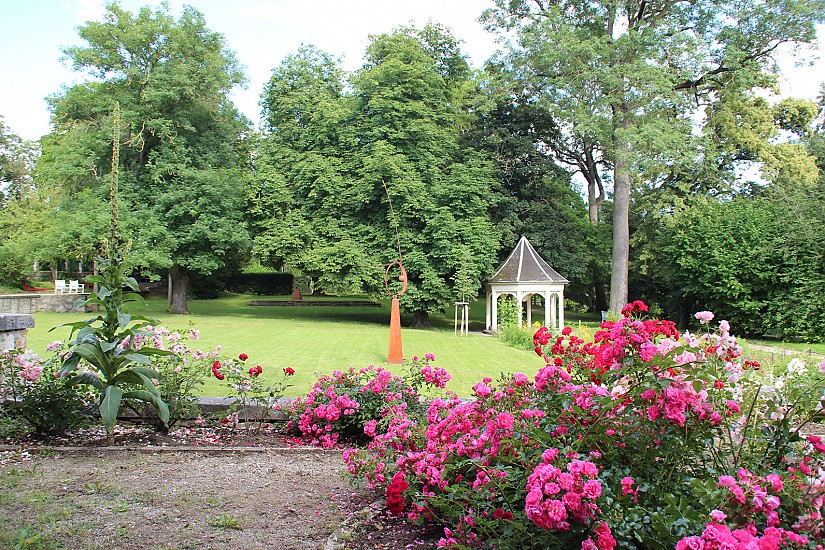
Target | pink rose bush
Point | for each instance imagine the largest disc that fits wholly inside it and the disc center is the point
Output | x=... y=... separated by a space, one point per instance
x=34 y=399
x=642 y=437
x=354 y=404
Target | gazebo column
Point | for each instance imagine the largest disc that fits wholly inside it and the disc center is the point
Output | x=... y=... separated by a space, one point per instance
x=561 y=310
x=487 y=307
x=529 y=302
x=552 y=305
x=519 y=298
x=547 y=308
x=494 y=325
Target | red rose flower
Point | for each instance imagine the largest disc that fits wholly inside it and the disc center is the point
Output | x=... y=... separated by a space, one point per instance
x=243 y=357
x=289 y=371
x=255 y=371
x=395 y=497
x=216 y=370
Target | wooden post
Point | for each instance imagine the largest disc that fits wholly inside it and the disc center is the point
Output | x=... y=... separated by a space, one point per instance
x=395 y=356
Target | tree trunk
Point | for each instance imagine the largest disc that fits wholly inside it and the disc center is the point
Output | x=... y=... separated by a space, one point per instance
x=421 y=319
x=95 y=271
x=180 y=287
x=621 y=217
x=600 y=294
x=595 y=196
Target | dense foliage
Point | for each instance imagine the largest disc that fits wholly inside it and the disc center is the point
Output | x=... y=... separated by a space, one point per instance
x=625 y=83
x=752 y=254
x=342 y=157
x=664 y=111
x=182 y=155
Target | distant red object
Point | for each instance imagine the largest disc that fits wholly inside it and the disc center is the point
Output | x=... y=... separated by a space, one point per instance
x=28 y=288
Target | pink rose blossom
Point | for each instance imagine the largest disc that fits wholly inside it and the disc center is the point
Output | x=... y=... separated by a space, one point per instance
x=704 y=317
x=718 y=516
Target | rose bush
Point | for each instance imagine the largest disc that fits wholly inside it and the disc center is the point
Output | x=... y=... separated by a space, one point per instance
x=640 y=438
x=253 y=401
x=352 y=404
x=180 y=376
x=34 y=399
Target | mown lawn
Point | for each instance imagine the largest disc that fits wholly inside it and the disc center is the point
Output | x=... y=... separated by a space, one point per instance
x=318 y=340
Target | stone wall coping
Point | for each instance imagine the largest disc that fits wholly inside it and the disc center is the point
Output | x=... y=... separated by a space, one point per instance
x=15 y=321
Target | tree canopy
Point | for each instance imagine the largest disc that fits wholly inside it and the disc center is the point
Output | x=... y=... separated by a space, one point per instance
x=623 y=81
x=393 y=138
x=183 y=153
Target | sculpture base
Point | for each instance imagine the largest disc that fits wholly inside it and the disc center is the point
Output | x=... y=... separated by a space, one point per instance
x=395 y=356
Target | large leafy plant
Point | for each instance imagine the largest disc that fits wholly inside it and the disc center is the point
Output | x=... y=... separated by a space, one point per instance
x=103 y=350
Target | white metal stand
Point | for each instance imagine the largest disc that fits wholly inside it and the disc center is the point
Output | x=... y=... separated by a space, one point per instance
x=465 y=318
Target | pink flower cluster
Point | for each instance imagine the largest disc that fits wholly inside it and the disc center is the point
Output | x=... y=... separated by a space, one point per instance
x=457 y=428
x=555 y=497
x=718 y=536
x=604 y=539
x=321 y=414
x=31 y=366
x=750 y=494
x=748 y=498
x=436 y=376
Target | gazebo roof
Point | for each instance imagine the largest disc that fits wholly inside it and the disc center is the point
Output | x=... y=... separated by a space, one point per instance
x=524 y=265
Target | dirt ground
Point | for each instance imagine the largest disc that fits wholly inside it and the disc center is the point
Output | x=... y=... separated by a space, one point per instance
x=242 y=494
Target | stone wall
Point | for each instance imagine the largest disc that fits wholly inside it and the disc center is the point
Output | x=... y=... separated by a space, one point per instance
x=13 y=329
x=32 y=303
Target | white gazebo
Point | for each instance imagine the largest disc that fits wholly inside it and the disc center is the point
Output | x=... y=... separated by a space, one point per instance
x=523 y=275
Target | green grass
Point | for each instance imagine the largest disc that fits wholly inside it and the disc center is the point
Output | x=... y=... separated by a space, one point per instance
x=318 y=340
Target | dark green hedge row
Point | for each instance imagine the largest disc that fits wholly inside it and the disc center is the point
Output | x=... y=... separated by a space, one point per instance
x=266 y=284
x=262 y=283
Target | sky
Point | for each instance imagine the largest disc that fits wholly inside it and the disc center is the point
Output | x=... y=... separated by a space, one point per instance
x=261 y=33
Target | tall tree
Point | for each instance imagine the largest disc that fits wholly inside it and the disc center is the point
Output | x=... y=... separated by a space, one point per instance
x=410 y=99
x=17 y=159
x=622 y=79
x=183 y=144
x=400 y=125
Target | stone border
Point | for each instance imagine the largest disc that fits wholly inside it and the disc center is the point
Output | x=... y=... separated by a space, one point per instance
x=165 y=449
x=32 y=302
x=13 y=329
x=334 y=303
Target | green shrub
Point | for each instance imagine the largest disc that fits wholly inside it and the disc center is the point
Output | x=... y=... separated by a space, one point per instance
x=519 y=338
x=36 y=400
x=507 y=311
x=15 y=266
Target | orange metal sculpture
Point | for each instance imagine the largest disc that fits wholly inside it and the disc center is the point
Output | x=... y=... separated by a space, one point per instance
x=395 y=355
